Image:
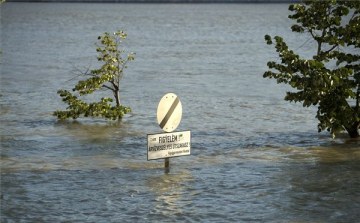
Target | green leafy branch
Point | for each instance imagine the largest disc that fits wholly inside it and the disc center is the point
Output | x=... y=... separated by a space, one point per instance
x=332 y=90
x=107 y=77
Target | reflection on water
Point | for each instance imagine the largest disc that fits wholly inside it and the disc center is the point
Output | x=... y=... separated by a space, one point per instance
x=336 y=155
x=102 y=130
x=172 y=192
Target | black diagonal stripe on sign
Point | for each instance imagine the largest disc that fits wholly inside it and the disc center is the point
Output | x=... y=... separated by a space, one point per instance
x=169 y=113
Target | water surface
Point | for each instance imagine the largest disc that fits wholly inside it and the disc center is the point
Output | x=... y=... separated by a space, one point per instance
x=254 y=156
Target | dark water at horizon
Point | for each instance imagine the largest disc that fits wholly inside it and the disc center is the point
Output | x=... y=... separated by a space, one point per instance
x=255 y=157
x=166 y=1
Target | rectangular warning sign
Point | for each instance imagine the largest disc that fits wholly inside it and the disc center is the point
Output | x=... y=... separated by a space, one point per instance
x=166 y=145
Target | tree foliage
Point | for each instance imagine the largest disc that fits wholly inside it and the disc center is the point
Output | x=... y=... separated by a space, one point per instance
x=331 y=79
x=107 y=77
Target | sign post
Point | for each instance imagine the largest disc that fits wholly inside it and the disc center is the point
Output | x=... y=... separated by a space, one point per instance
x=167 y=162
x=168 y=144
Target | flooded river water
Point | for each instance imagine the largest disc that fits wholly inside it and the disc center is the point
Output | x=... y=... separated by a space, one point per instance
x=254 y=157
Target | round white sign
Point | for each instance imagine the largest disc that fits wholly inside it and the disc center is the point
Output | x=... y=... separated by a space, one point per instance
x=169 y=112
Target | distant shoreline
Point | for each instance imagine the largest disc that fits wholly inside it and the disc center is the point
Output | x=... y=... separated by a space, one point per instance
x=162 y=1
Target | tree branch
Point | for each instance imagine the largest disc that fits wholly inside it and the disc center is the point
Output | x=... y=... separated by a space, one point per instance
x=332 y=48
x=311 y=33
x=105 y=86
x=80 y=73
x=357 y=106
x=304 y=43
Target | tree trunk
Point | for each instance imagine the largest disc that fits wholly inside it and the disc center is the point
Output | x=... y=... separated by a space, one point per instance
x=353 y=131
x=117 y=97
x=118 y=102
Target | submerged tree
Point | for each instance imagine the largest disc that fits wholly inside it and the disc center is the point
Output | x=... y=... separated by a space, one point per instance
x=331 y=79
x=107 y=77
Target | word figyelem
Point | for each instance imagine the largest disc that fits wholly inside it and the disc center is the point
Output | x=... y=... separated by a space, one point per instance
x=167 y=139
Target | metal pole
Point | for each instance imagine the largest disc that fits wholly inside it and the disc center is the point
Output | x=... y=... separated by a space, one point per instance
x=167 y=165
